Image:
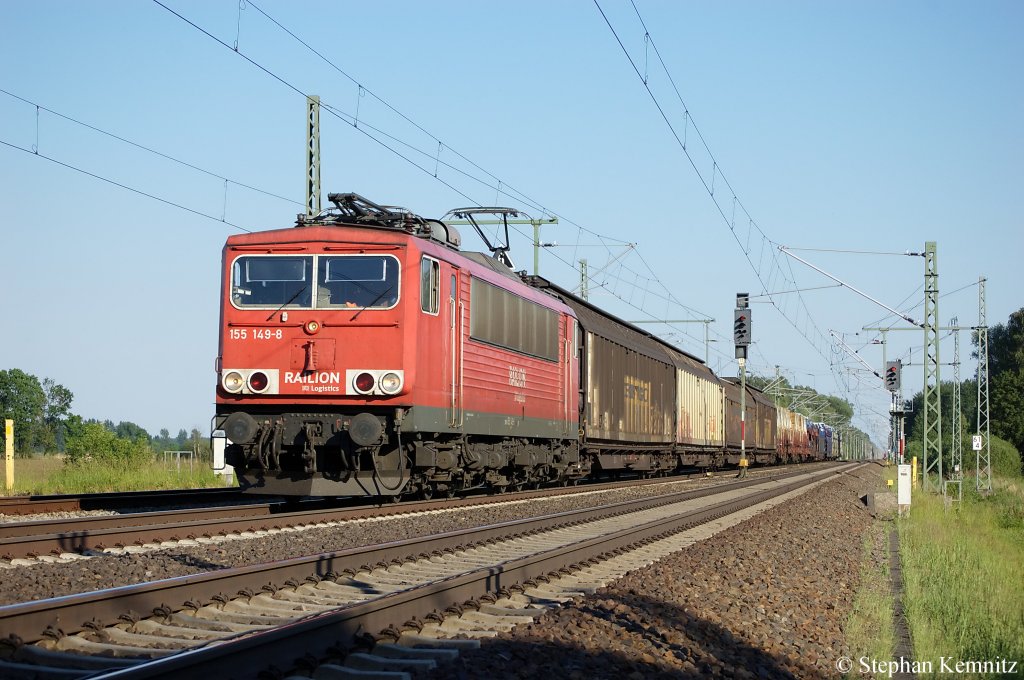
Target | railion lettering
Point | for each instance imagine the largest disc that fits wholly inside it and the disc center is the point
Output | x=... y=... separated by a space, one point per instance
x=312 y=378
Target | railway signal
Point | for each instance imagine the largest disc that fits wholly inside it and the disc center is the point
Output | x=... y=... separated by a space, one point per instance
x=741 y=325
x=892 y=375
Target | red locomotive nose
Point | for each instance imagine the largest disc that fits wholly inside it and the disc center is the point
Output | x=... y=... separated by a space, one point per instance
x=258 y=381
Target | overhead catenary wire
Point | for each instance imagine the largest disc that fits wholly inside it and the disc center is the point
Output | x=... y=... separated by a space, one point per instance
x=361 y=125
x=910 y=309
x=148 y=149
x=851 y=252
x=501 y=187
x=801 y=307
x=622 y=273
x=125 y=186
x=793 y=319
x=352 y=120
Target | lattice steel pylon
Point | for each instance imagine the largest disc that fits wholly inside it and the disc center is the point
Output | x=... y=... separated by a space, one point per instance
x=312 y=156
x=932 y=452
x=956 y=458
x=983 y=458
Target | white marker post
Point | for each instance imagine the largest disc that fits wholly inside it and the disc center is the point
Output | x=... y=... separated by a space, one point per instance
x=9 y=453
x=904 y=484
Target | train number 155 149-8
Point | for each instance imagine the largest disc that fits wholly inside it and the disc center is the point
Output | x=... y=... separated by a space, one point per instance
x=255 y=334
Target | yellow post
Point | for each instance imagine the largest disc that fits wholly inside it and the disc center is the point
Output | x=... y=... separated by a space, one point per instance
x=913 y=471
x=9 y=453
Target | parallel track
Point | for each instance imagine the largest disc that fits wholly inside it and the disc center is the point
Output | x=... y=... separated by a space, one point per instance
x=28 y=505
x=278 y=594
x=85 y=535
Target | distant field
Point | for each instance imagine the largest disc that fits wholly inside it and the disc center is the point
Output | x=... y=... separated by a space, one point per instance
x=49 y=475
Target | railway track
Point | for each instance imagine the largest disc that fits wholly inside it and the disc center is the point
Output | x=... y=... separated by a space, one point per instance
x=327 y=605
x=30 y=505
x=13 y=506
x=94 y=534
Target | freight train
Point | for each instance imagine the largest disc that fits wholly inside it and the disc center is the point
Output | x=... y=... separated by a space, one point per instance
x=362 y=353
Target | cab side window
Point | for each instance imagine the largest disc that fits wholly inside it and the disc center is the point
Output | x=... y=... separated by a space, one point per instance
x=430 y=285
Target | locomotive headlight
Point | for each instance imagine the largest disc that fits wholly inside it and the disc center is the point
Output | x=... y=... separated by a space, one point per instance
x=390 y=383
x=364 y=382
x=258 y=381
x=311 y=327
x=233 y=382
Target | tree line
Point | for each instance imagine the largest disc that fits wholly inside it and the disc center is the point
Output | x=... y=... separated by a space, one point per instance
x=44 y=423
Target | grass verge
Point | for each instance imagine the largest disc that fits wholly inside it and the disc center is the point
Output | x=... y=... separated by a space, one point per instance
x=963 y=571
x=869 y=630
x=51 y=475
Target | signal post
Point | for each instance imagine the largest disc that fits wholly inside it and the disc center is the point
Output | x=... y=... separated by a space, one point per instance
x=893 y=382
x=741 y=337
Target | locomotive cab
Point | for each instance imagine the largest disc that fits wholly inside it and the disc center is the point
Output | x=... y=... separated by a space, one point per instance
x=312 y=365
x=361 y=354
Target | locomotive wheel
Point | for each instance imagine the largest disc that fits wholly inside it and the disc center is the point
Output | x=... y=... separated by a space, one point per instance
x=427 y=491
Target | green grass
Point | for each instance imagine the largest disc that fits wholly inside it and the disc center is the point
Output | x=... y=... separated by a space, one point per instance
x=51 y=475
x=869 y=630
x=964 y=574
x=30 y=473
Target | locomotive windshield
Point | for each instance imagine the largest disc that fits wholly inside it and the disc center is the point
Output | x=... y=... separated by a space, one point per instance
x=360 y=281
x=341 y=281
x=272 y=281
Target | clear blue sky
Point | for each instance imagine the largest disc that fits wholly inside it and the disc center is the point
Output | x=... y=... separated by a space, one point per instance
x=870 y=126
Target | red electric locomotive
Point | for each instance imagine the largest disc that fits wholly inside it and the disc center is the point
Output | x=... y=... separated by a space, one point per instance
x=362 y=354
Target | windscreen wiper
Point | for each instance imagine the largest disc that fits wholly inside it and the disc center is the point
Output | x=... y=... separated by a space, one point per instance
x=375 y=301
x=290 y=300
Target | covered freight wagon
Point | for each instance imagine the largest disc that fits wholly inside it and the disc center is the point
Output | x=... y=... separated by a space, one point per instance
x=792 y=440
x=760 y=423
x=700 y=417
x=627 y=388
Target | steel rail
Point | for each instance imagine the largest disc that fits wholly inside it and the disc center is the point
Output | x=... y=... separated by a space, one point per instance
x=323 y=634
x=83 y=535
x=30 y=621
x=90 y=524
x=26 y=505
